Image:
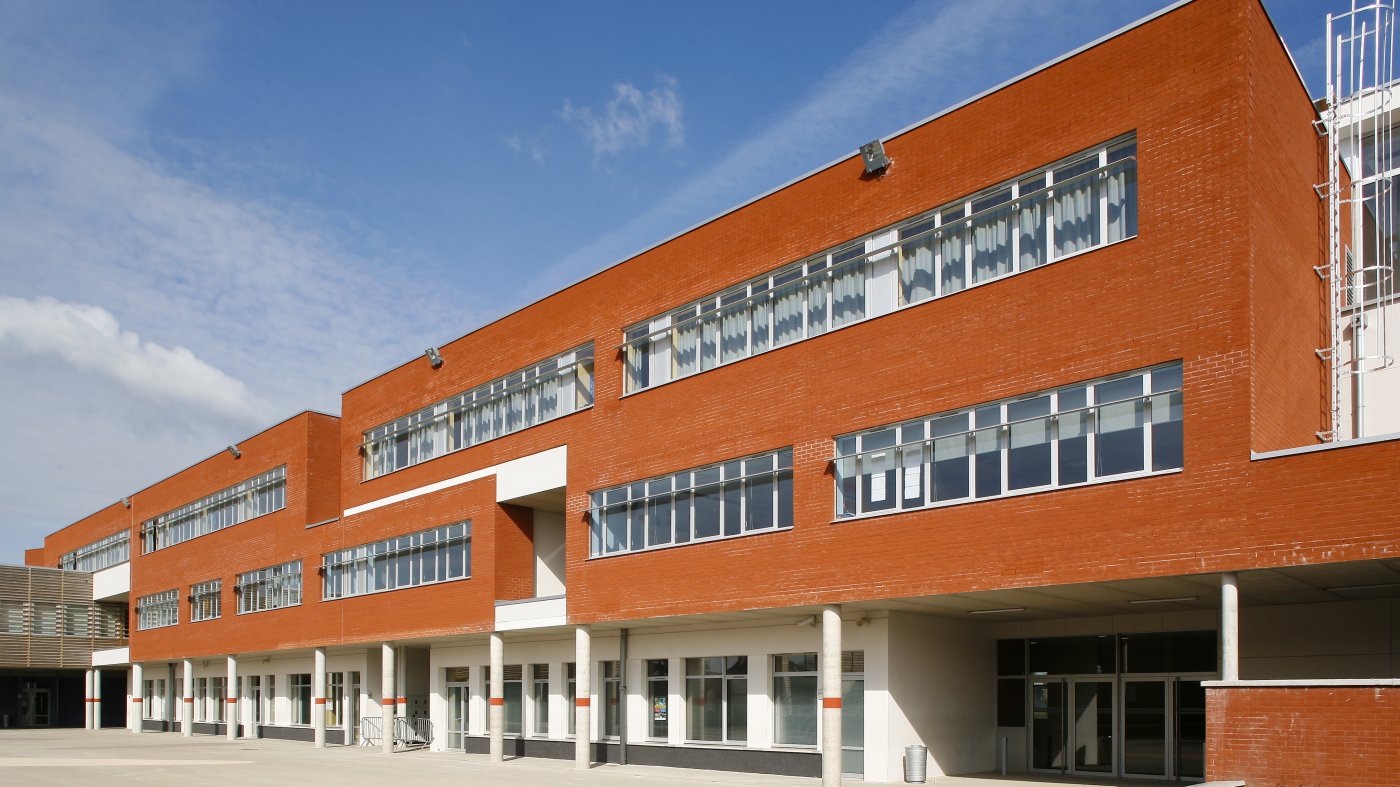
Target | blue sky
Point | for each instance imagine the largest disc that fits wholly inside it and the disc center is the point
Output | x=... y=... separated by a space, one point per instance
x=214 y=215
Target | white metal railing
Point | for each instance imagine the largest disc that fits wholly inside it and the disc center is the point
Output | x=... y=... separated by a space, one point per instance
x=415 y=733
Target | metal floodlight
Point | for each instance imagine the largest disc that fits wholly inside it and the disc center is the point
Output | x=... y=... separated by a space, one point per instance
x=810 y=620
x=126 y=501
x=233 y=449
x=873 y=153
x=434 y=357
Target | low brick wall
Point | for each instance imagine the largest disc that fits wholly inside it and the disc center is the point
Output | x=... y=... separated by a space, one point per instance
x=1304 y=736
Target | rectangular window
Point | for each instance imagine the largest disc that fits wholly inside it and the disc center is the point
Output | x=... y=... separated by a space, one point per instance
x=539 y=698
x=335 y=698
x=102 y=553
x=158 y=610
x=658 y=698
x=77 y=620
x=541 y=392
x=249 y=499
x=733 y=498
x=795 y=680
x=269 y=588
x=441 y=554
x=513 y=690
x=1081 y=202
x=571 y=695
x=1114 y=427
x=205 y=600
x=299 y=689
x=716 y=699
x=11 y=617
x=612 y=698
x=43 y=621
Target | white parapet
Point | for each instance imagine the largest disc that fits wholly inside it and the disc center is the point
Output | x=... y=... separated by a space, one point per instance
x=111 y=657
x=112 y=583
x=532 y=474
x=531 y=613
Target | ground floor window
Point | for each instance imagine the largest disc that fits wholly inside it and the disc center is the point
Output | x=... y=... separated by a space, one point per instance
x=152 y=695
x=571 y=695
x=658 y=698
x=299 y=689
x=539 y=698
x=512 y=690
x=335 y=699
x=716 y=699
x=795 y=680
x=612 y=698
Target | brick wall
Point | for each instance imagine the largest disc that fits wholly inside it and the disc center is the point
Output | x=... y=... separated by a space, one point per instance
x=1304 y=737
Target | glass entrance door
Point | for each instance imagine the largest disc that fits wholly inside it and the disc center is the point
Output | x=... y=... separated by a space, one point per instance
x=1091 y=735
x=1072 y=725
x=1145 y=727
x=458 y=698
x=1047 y=729
x=1190 y=728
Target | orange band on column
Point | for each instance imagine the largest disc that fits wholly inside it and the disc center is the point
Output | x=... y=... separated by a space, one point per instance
x=135 y=699
x=232 y=700
x=403 y=700
x=189 y=699
x=320 y=700
x=498 y=700
x=831 y=702
x=389 y=701
x=582 y=702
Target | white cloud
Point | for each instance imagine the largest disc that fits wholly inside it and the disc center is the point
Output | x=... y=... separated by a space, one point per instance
x=526 y=147
x=629 y=116
x=930 y=57
x=89 y=338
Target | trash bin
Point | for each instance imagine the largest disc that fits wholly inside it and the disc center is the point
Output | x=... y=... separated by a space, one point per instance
x=915 y=764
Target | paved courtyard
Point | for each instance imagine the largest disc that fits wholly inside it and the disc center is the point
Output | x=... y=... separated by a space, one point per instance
x=116 y=757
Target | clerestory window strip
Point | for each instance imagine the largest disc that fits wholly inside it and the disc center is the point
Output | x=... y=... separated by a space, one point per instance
x=103 y=553
x=1123 y=426
x=440 y=554
x=728 y=499
x=1076 y=204
x=550 y=389
x=259 y=495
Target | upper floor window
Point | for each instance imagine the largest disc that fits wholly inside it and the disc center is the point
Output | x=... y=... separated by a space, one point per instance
x=102 y=553
x=1080 y=203
x=422 y=558
x=1128 y=424
x=733 y=498
x=206 y=601
x=269 y=588
x=541 y=392
x=261 y=494
x=158 y=610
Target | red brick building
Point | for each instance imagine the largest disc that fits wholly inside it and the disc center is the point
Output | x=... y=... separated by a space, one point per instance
x=1008 y=448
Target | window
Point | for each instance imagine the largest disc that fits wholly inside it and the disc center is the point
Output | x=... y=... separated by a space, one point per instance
x=259 y=495
x=335 y=697
x=153 y=698
x=458 y=706
x=612 y=698
x=269 y=588
x=111 y=621
x=100 y=554
x=539 y=698
x=299 y=690
x=271 y=700
x=11 y=617
x=1100 y=430
x=158 y=610
x=77 y=620
x=795 y=681
x=716 y=699
x=541 y=392
x=571 y=695
x=437 y=555
x=1080 y=203
x=209 y=699
x=658 y=698
x=512 y=689
x=734 y=498
x=205 y=600
x=43 y=620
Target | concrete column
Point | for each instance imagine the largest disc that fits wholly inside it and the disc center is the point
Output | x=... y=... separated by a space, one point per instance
x=133 y=708
x=231 y=689
x=583 y=719
x=187 y=704
x=386 y=696
x=401 y=678
x=87 y=700
x=97 y=699
x=318 y=697
x=496 y=708
x=831 y=695
x=1229 y=627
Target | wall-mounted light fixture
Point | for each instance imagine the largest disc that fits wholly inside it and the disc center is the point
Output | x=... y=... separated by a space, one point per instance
x=873 y=154
x=434 y=357
x=233 y=449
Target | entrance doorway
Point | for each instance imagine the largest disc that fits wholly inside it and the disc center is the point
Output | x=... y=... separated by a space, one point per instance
x=1072 y=728
x=34 y=706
